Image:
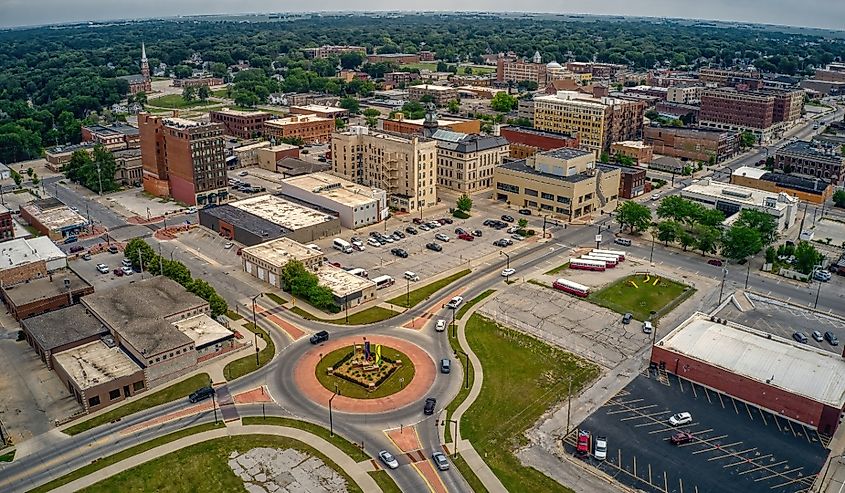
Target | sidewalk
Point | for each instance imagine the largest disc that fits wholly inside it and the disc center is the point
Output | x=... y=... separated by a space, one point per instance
x=344 y=462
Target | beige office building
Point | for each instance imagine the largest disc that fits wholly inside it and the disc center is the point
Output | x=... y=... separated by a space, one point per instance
x=564 y=183
x=598 y=121
x=465 y=162
x=403 y=166
x=267 y=260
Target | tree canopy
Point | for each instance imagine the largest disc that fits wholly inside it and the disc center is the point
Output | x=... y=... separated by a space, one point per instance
x=634 y=215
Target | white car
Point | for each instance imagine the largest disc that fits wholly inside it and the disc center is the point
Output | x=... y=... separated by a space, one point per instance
x=357 y=243
x=512 y=230
x=647 y=327
x=102 y=268
x=680 y=419
x=508 y=272
x=440 y=326
x=127 y=271
x=373 y=242
x=656 y=196
x=228 y=245
x=388 y=459
x=600 y=449
x=191 y=210
x=441 y=237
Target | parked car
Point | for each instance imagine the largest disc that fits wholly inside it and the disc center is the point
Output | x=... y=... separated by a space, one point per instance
x=517 y=237
x=86 y=256
x=600 y=448
x=228 y=245
x=460 y=231
x=447 y=220
x=508 y=272
x=583 y=445
x=440 y=325
x=831 y=338
x=113 y=249
x=440 y=461
x=800 y=337
x=201 y=394
x=477 y=233
x=445 y=365
x=102 y=268
x=388 y=459
x=373 y=242
x=715 y=261
x=76 y=248
x=817 y=336
x=626 y=319
x=118 y=272
x=647 y=327
x=655 y=196
x=319 y=337
x=430 y=404
x=243 y=173
x=821 y=275
x=191 y=210
x=127 y=270
x=508 y=219
x=424 y=227
x=417 y=220
x=411 y=230
x=681 y=437
x=434 y=224
x=512 y=230
x=680 y=419
x=399 y=252
x=501 y=243
x=466 y=237
x=525 y=212
x=434 y=246
x=356 y=242
x=441 y=237
x=622 y=241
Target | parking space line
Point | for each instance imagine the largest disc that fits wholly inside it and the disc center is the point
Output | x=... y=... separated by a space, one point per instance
x=763 y=416
x=746 y=461
x=649 y=473
x=734 y=402
x=796 y=480
x=635 y=466
x=806 y=435
x=715 y=447
x=749 y=412
x=640 y=415
x=681 y=385
x=634 y=409
x=665 y=482
x=681 y=484
x=708 y=395
x=720 y=400
x=777 y=423
x=732 y=454
x=783 y=474
x=789 y=422
x=623 y=403
x=694 y=393
x=753 y=469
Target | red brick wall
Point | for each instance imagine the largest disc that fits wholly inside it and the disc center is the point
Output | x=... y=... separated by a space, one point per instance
x=542 y=142
x=766 y=396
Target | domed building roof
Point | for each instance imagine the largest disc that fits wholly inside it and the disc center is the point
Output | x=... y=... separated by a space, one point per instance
x=553 y=65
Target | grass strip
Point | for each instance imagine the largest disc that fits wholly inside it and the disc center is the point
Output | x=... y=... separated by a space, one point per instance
x=464 y=391
x=278 y=299
x=558 y=269
x=469 y=304
x=124 y=454
x=234 y=316
x=385 y=482
x=338 y=441
x=370 y=315
x=413 y=298
x=165 y=395
x=468 y=474
x=245 y=365
x=8 y=456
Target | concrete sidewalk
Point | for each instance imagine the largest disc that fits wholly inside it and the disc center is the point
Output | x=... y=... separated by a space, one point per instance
x=344 y=462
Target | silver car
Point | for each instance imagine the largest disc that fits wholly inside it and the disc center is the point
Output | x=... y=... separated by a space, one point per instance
x=440 y=461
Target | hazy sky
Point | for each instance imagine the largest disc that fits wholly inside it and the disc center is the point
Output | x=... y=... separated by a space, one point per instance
x=815 y=13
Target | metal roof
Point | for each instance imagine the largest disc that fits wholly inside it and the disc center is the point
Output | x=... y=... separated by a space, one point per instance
x=796 y=368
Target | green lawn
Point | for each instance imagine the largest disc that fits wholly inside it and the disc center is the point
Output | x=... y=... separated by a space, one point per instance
x=278 y=299
x=204 y=467
x=469 y=304
x=233 y=315
x=558 y=269
x=175 y=101
x=8 y=456
x=523 y=378
x=455 y=344
x=384 y=481
x=113 y=459
x=167 y=394
x=338 y=441
x=368 y=316
x=468 y=474
x=420 y=294
x=219 y=93
x=242 y=366
x=622 y=297
x=350 y=389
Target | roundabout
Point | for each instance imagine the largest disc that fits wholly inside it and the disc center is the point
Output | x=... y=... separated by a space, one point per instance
x=366 y=382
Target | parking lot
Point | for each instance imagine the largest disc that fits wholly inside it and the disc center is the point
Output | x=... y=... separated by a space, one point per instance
x=735 y=448
x=783 y=319
x=87 y=269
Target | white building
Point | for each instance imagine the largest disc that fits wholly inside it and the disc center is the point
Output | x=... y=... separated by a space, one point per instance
x=357 y=205
x=731 y=199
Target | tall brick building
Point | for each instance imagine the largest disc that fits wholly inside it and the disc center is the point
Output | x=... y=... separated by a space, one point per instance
x=183 y=159
x=242 y=124
x=764 y=113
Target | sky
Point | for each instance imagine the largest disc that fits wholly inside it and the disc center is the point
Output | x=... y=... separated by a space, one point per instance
x=812 y=13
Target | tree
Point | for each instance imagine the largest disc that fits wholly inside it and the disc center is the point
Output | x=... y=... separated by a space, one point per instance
x=454 y=106
x=339 y=124
x=141 y=98
x=182 y=71
x=189 y=94
x=763 y=223
x=707 y=238
x=350 y=104
x=740 y=242
x=711 y=217
x=634 y=215
x=668 y=231
x=442 y=66
x=676 y=208
x=351 y=60
x=18 y=179
x=245 y=98
x=771 y=255
x=203 y=93
x=464 y=203
x=35 y=180
x=522 y=223
x=503 y=102
x=806 y=257
x=839 y=198
x=686 y=239
x=747 y=139
x=29 y=172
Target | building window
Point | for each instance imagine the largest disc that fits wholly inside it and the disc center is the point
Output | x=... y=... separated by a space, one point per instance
x=114 y=394
x=562 y=199
x=530 y=192
x=507 y=188
x=547 y=196
x=94 y=401
x=139 y=385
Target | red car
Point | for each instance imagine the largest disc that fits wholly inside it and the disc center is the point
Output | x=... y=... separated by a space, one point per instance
x=681 y=438
x=466 y=236
x=715 y=261
x=417 y=220
x=583 y=447
x=118 y=272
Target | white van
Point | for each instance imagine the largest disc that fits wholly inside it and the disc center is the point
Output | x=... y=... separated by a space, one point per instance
x=455 y=302
x=314 y=247
x=342 y=245
x=358 y=272
x=411 y=276
x=622 y=241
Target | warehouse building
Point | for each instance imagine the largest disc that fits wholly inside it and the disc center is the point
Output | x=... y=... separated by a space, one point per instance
x=806 y=188
x=356 y=205
x=731 y=199
x=58 y=290
x=795 y=381
x=53 y=219
x=26 y=259
x=266 y=217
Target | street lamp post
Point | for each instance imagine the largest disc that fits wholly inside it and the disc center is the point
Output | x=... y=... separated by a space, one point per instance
x=454 y=436
x=747 y=273
x=651 y=257
x=346 y=306
x=255 y=326
x=818 y=290
x=722 y=288
x=454 y=327
x=331 y=420
x=214 y=406
x=408 y=294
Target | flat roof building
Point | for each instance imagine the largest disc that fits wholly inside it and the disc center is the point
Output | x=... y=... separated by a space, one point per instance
x=402 y=125
x=25 y=259
x=241 y=124
x=812 y=159
x=204 y=331
x=267 y=260
x=803 y=187
x=356 y=205
x=637 y=150
x=524 y=142
x=795 y=381
x=58 y=330
x=321 y=110
x=440 y=95
x=269 y=157
x=348 y=289
x=53 y=218
x=312 y=129
x=731 y=199
x=57 y=290
x=699 y=144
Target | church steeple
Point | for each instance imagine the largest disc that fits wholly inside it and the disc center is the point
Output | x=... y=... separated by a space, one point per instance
x=145 y=65
x=143 y=52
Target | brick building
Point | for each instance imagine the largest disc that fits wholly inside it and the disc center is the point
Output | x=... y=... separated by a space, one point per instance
x=241 y=124
x=112 y=137
x=748 y=79
x=53 y=219
x=183 y=159
x=269 y=157
x=813 y=190
x=140 y=82
x=525 y=142
x=57 y=157
x=811 y=159
x=398 y=78
x=634 y=149
x=698 y=144
x=763 y=113
x=323 y=111
x=25 y=259
x=198 y=82
x=400 y=58
x=465 y=162
x=401 y=125
x=631 y=181
x=327 y=51
x=7 y=225
x=57 y=290
x=440 y=95
x=312 y=129
x=522 y=70
x=129 y=169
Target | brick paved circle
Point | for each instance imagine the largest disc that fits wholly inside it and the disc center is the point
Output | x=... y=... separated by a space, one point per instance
x=415 y=391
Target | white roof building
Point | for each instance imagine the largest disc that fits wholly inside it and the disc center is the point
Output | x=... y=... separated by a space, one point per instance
x=357 y=205
x=731 y=199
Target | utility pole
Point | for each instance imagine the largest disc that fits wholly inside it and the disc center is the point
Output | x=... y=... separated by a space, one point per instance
x=651 y=257
x=722 y=288
x=255 y=327
x=454 y=327
x=568 y=405
x=100 y=179
x=544 y=226
x=331 y=421
x=747 y=273
x=816 y=303
x=214 y=405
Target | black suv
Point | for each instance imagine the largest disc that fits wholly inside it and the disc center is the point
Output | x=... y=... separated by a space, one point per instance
x=399 y=234
x=411 y=230
x=525 y=212
x=434 y=246
x=430 y=403
x=201 y=394
x=319 y=337
x=399 y=252
x=506 y=218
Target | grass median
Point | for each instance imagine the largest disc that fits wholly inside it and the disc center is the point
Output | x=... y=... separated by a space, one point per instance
x=125 y=454
x=245 y=365
x=276 y=298
x=165 y=395
x=204 y=467
x=523 y=378
x=338 y=441
x=640 y=295
x=413 y=298
x=469 y=304
x=385 y=482
x=464 y=391
x=369 y=316
x=469 y=475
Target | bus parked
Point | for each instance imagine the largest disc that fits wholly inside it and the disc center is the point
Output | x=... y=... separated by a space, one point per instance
x=577 y=263
x=609 y=262
x=342 y=245
x=571 y=287
x=383 y=281
x=618 y=253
